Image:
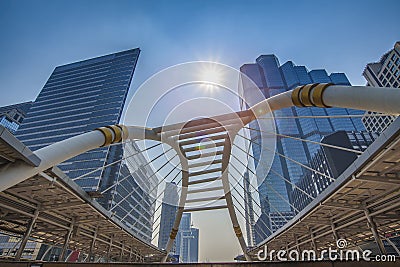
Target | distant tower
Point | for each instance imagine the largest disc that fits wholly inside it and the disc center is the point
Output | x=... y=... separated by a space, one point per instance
x=187 y=245
x=168 y=212
x=249 y=210
x=385 y=73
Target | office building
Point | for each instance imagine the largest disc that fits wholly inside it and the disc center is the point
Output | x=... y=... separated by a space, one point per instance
x=12 y=116
x=168 y=212
x=80 y=97
x=187 y=240
x=186 y=243
x=385 y=73
x=249 y=209
x=133 y=190
x=271 y=78
x=77 y=98
x=331 y=162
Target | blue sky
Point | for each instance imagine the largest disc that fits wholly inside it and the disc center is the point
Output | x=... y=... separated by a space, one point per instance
x=340 y=36
x=37 y=36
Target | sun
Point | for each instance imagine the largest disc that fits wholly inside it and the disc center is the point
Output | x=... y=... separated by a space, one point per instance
x=211 y=76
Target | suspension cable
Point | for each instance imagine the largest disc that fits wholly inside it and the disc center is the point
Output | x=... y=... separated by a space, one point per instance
x=306 y=140
x=158 y=195
x=156 y=186
x=112 y=163
x=245 y=211
x=258 y=192
x=287 y=180
x=148 y=178
x=271 y=187
x=286 y=157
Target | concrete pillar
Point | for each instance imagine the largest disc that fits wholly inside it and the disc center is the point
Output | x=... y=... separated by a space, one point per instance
x=66 y=241
x=374 y=230
x=28 y=232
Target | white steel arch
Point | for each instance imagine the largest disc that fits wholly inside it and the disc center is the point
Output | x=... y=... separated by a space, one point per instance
x=385 y=100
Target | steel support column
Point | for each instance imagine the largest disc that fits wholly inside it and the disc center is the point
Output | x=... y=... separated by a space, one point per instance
x=66 y=241
x=313 y=243
x=121 y=255
x=92 y=244
x=108 y=255
x=334 y=232
x=297 y=243
x=130 y=254
x=28 y=232
x=374 y=230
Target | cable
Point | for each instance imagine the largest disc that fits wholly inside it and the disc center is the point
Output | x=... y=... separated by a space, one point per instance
x=309 y=141
x=299 y=163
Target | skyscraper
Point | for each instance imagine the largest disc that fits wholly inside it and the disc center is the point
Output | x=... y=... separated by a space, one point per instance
x=271 y=78
x=249 y=210
x=80 y=97
x=187 y=240
x=12 y=116
x=168 y=212
x=77 y=98
x=186 y=243
x=385 y=73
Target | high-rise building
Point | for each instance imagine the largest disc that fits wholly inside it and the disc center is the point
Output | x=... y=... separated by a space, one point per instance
x=80 y=97
x=168 y=212
x=12 y=116
x=385 y=73
x=331 y=162
x=77 y=98
x=186 y=243
x=187 y=240
x=271 y=78
x=249 y=210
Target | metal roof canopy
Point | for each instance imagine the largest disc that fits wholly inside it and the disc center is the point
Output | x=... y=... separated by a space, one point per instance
x=63 y=206
x=11 y=149
x=371 y=184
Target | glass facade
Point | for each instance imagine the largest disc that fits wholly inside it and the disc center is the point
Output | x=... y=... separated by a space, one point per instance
x=12 y=116
x=187 y=240
x=168 y=212
x=80 y=97
x=331 y=162
x=385 y=73
x=275 y=190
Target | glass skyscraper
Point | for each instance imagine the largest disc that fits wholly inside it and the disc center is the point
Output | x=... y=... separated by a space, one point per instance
x=186 y=243
x=80 y=97
x=187 y=240
x=271 y=78
x=168 y=213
